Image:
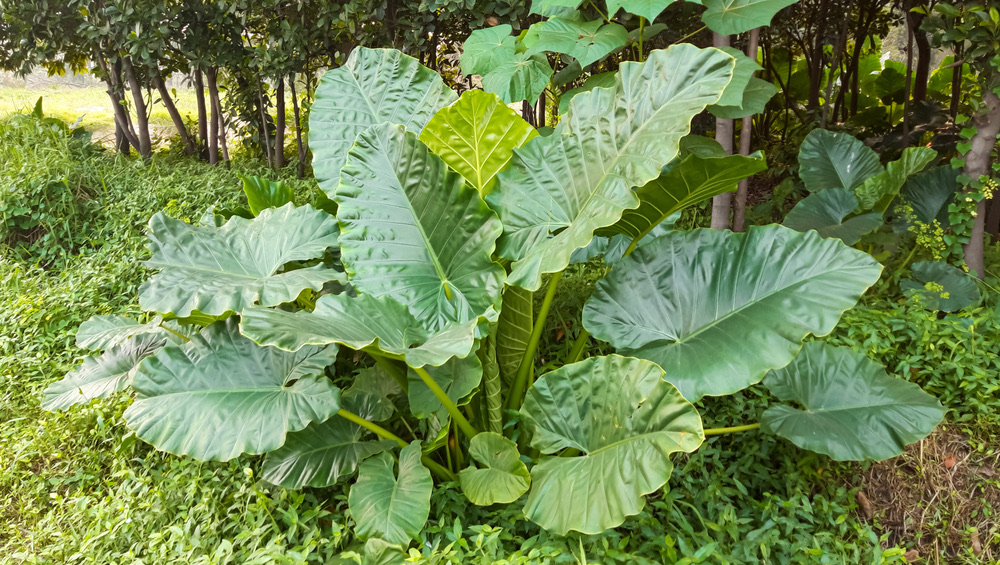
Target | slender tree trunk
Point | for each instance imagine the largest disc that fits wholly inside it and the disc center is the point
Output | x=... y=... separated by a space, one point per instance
x=263 y=124
x=301 y=165
x=909 y=83
x=956 y=83
x=141 y=115
x=123 y=124
x=212 y=77
x=199 y=94
x=121 y=143
x=722 y=205
x=175 y=116
x=279 y=124
x=838 y=51
x=923 y=43
x=993 y=217
x=217 y=112
x=978 y=162
x=746 y=142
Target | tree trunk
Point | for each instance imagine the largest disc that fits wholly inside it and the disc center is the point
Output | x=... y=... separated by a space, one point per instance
x=722 y=205
x=175 y=116
x=956 y=83
x=993 y=217
x=199 y=94
x=221 y=125
x=838 y=51
x=279 y=125
x=923 y=43
x=141 y=117
x=746 y=140
x=212 y=77
x=301 y=165
x=909 y=84
x=123 y=124
x=978 y=163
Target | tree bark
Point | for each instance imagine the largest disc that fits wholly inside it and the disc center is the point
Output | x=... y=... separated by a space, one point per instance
x=217 y=112
x=299 y=146
x=746 y=141
x=923 y=70
x=279 y=124
x=175 y=116
x=199 y=94
x=978 y=163
x=212 y=77
x=838 y=51
x=141 y=117
x=123 y=124
x=263 y=125
x=722 y=205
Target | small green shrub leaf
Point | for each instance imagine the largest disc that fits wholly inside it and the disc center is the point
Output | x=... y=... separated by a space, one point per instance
x=941 y=286
x=215 y=270
x=850 y=409
x=836 y=160
x=625 y=420
x=391 y=506
x=717 y=310
x=221 y=395
x=501 y=477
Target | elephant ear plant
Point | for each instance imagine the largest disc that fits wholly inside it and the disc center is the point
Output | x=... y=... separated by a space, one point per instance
x=393 y=344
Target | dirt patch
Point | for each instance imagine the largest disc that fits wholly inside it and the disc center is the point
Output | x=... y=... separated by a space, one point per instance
x=940 y=495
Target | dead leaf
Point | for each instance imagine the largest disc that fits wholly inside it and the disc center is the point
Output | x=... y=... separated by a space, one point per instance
x=977 y=547
x=560 y=334
x=912 y=556
x=987 y=471
x=865 y=505
x=950 y=461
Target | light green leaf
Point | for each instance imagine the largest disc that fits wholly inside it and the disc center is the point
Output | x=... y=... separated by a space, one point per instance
x=648 y=9
x=476 y=136
x=600 y=80
x=957 y=288
x=487 y=49
x=215 y=270
x=850 y=409
x=458 y=378
x=513 y=330
x=826 y=212
x=101 y=332
x=756 y=95
x=625 y=420
x=412 y=230
x=695 y=176
x=744 y=71
x=556 y=192
x=263 y=193
x=374 y=86
x=362 y=322
x=585 y=41
x=321 y=454
x=836 y=160
x=730 y=17
x=502 y=477
x=101 y=376
x=717 y=310
x=221 y=395
x=878 y=192
x=523 y=77
x=553 y=7
x=389 y=506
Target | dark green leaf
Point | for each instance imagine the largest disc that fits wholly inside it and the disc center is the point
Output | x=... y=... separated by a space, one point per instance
x=941 y=286
x=826 y=212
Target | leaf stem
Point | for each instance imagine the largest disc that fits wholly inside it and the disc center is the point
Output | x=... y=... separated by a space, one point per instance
x=690 y=35
x=386 y=434
x=578 y=346
x=183 y=337
x=599 y=12
x=519 y=387
x=732 y=430
x=642 y=25
x=442 y=397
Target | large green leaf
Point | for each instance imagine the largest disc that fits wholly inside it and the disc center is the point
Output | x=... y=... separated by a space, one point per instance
x=648 y=9
x=374 y=86
x=585 y=41
x=522 y=77
x=101 y=376
x=361 y=322
x=941 y=286
x=559 y=189
x=930 y=193
x=501 y=478
x=487 y=49
x=227 y=269
x=322 y=453
x=514 y=330
x=836 y=160
x=104 y=331
x=221 y=395
x=601 y=80
x=850 y=408
x=755 y=96
x=263 y=193
x=476 y=136
x=458 y=377
x=717 y=310
x=878 y=192
x=388 y=506
x=694 y=177
x=742 y=73
x=625 y=420
x=826 y=212
x=412 y=230
x=730 y=17
x=373 y=387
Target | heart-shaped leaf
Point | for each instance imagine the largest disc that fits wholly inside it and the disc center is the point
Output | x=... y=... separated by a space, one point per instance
x=755 y=96
x=522 y=77
x=412 y=230
x=263 y=193
x=648 y=9
x=941 y=286
x=501 y=478
x=458 y=378
x=836 y=160
x=878 y=192
x=487 y=49
x=585 y=41
x=227 y=269
x=717 y=310
x=850 y=408
x=827 y=211
x=391 y=506
x=930 y=193
x=625 y=420
x=730 y=17
x=221 y=395
x=101 y=332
